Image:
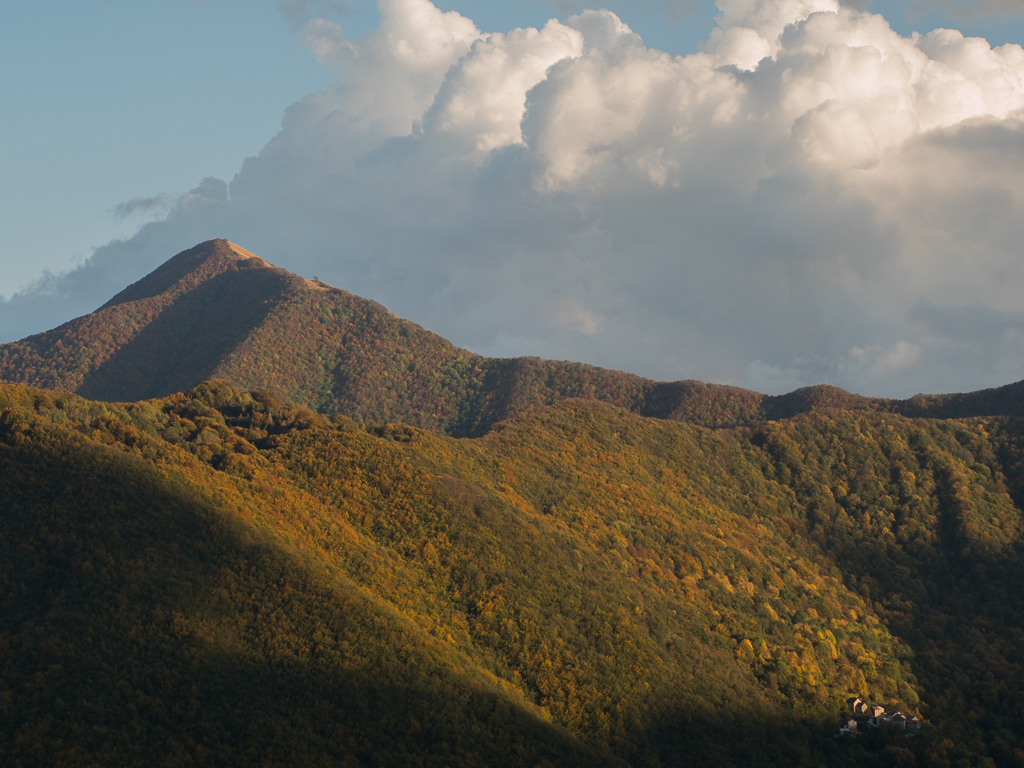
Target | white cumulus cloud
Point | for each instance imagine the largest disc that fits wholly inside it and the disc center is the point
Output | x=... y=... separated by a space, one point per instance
x=812 y=197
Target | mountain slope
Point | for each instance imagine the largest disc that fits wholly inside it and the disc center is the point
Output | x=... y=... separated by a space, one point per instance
x=209 y=543
x=159 y=612
x=581 y=585
x=218 y=311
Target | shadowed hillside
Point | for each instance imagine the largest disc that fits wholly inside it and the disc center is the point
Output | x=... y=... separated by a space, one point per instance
x=217 y=310
x=155 y=614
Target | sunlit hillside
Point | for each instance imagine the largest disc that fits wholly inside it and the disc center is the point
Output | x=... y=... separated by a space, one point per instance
x=219 y=574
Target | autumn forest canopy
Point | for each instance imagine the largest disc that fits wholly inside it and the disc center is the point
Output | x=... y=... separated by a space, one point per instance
x=247 y=518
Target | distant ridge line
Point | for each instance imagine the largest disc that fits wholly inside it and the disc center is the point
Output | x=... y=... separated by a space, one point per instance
x=218 y=311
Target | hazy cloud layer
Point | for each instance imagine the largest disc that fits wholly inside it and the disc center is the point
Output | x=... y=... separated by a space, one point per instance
x=304 y=10
x=810 y=198
x=968 y=9
x=140 y=205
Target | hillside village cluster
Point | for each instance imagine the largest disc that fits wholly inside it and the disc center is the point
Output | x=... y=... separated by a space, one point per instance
x=876 y=716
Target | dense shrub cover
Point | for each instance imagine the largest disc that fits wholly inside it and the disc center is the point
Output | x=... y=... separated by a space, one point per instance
x=219 y=577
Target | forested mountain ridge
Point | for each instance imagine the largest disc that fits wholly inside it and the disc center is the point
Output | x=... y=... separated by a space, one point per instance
x=219 y=311
x=580 y=586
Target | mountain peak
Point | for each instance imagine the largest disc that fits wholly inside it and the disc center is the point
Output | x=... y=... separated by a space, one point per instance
x=190 y=268
x=163 y=333
x=220 y=245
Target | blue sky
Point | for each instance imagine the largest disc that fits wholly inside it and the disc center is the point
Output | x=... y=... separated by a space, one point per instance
x=108 y=101
x=114 y=110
